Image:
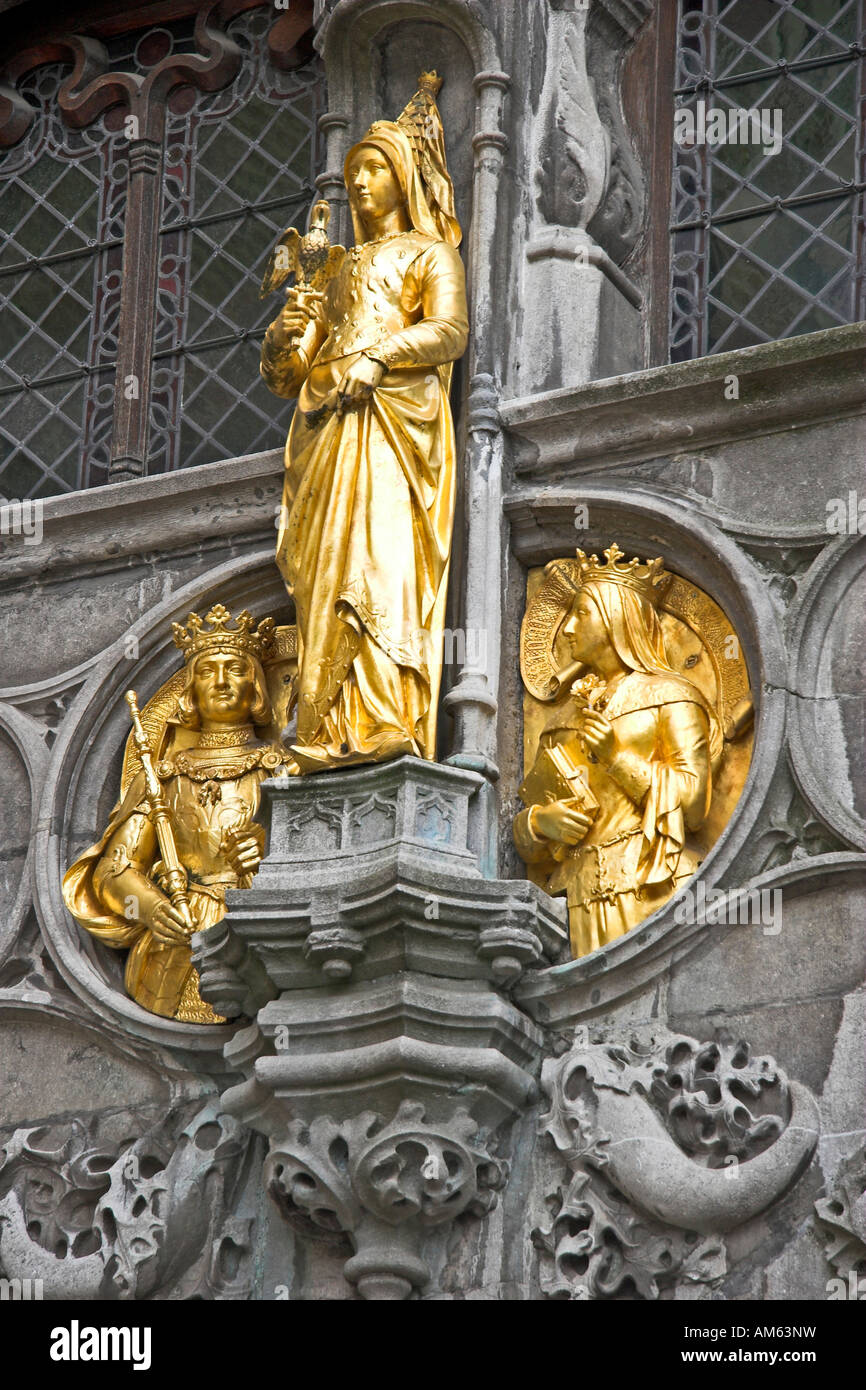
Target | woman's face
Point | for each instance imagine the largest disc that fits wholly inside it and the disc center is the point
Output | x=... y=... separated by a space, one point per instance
x=372 y=183
x=224 y=687
x=585 y=631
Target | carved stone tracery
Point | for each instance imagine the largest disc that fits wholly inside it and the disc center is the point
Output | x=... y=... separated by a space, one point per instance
x=630 y=1209
x=95 y=1214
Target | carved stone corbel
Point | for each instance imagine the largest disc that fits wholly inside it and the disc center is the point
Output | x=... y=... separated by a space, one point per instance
x=389 y=1061
x=384 y=1103
x=384 y=1186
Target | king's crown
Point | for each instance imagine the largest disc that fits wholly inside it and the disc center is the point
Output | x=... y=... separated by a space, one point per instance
x=195 y=638
x=647 y=577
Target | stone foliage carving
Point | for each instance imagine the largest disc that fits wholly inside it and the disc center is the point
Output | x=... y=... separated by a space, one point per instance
x=587 y=175
x=719 y=1101
x=374 y=1181
x=96 y=1214
x=572 y=157
x=842 y=1218
x=641 y=1129
x=597 y=1246
x=793 y=832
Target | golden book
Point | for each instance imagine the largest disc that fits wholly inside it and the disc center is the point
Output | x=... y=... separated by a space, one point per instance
x=555 y=777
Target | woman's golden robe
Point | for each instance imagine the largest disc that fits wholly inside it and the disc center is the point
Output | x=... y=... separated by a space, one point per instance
x=658 y=788
x=365 y=538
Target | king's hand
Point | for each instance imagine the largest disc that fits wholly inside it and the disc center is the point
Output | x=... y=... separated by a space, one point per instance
x=166 y=923
x=244 y=847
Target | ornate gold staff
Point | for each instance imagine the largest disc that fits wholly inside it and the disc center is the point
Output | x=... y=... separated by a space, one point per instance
x=174 y=873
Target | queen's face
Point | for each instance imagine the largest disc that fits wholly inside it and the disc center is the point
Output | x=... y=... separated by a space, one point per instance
x=585 y=631
x=224 y=687
x=372 y=183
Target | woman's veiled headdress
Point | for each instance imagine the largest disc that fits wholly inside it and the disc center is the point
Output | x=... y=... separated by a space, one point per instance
x=414 y=146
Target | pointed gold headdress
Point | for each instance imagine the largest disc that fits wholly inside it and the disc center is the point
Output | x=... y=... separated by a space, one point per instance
x=417 y=138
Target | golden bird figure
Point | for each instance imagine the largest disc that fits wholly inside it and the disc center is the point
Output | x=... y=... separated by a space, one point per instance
x=310 y=258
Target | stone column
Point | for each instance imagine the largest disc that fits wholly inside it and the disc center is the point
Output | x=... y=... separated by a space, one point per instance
x=473 y=700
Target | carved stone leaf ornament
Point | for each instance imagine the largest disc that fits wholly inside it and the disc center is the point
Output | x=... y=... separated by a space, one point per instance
x=713 y=1098
x=597 y=1246
x=842 y=1218
x=628 y=1218
x=374 y=1182
x=98 y=1218
x=573 y=163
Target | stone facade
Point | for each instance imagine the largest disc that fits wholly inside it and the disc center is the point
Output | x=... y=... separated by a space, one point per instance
x=439 y=1102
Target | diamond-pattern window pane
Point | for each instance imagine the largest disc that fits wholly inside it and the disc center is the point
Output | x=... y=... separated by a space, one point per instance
x=769 y=245
x=63 y=196
x=64 y=205
x=235 y=152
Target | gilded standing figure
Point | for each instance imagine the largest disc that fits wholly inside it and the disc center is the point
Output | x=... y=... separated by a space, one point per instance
x=368 y=507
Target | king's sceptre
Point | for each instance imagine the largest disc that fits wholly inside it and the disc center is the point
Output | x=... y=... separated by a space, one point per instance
x=174 y=874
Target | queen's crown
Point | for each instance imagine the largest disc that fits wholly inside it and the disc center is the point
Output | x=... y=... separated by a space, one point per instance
x=647 y=577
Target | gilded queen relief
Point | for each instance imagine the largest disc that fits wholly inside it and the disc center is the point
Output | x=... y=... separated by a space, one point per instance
x=637 y=740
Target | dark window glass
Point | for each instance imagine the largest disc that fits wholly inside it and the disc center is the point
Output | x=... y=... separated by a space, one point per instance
x=239 y=167
x=767 y=235
x=64 y=194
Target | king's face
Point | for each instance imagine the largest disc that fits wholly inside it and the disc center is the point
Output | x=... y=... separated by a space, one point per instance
x=224 y=687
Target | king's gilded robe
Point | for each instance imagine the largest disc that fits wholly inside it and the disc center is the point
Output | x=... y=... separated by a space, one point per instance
x=209 y=792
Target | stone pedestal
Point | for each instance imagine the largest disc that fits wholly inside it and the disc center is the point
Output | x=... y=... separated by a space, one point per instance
x=385 y=1059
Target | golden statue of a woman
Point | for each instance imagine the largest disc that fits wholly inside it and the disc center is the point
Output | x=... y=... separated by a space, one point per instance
x=624 y=776
x=368 y=506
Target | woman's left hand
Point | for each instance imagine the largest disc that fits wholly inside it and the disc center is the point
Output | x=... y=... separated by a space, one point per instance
x=599 y=737
x=359 y=382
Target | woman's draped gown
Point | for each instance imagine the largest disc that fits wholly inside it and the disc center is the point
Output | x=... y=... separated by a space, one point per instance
x=365 y=532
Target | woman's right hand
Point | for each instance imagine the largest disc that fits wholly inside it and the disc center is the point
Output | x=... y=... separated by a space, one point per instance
x=301 y=308
x=561 y=821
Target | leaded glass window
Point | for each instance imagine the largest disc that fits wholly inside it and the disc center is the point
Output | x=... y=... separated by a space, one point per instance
x=767 y=235
x=63 y=194
x=239 y=165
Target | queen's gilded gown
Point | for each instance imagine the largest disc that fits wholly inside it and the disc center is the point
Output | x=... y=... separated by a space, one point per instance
x=657 y=789
x=365 y=535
